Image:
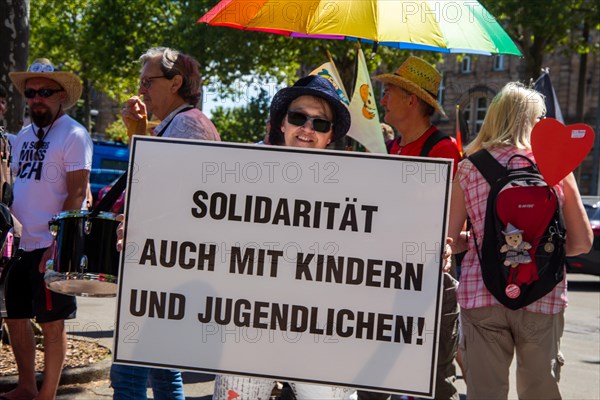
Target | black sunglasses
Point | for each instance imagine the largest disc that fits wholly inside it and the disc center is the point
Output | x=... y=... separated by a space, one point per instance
x=299 y=119
x=45 y=93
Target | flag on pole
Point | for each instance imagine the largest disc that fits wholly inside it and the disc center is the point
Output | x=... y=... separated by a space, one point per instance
x=458 y=130
x=330 y=72
x=365 y=128
x=544 y=86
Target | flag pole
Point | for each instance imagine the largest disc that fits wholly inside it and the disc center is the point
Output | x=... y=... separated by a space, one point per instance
x=458 y=134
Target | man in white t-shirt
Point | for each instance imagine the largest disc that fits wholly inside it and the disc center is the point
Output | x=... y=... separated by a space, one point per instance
x=52 y=158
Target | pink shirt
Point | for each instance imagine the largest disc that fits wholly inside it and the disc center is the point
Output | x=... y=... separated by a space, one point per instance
x=472 y=292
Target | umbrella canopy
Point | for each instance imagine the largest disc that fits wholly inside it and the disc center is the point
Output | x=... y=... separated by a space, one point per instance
x=444 y=25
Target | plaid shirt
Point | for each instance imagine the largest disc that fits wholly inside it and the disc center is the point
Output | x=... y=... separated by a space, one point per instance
x=472 y=292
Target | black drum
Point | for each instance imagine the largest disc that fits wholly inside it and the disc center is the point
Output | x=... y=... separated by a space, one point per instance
x=86 y=261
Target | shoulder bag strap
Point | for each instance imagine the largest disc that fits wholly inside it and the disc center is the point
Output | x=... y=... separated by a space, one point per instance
x=431 y=141
x=487 y=165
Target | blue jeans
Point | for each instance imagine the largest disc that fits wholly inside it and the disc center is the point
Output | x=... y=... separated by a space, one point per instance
x=130 y=382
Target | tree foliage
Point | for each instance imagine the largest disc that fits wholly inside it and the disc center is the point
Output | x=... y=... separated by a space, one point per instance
x=117 y=131
x=246 y=124
x=540 y=27
x=102 y=39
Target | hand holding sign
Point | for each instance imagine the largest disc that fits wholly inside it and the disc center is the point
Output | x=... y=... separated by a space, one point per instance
x=559 y=149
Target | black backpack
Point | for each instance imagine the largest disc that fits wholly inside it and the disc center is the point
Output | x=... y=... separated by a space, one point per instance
x=523 y=252
x=6 y=179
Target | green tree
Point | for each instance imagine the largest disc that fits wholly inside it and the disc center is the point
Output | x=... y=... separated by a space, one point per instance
x=117 y=131
x=100 y=40
x=245 y=124
x=541 y=26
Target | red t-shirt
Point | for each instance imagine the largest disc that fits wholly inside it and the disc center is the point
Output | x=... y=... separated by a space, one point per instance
x=443 y=149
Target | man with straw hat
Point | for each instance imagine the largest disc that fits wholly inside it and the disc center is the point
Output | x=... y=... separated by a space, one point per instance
x=409 y=101
x=52 y=161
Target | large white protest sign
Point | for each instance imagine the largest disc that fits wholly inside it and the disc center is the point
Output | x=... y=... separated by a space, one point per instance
x=315 y=266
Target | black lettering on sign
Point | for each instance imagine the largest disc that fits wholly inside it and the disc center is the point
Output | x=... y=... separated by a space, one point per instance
x=157 y=304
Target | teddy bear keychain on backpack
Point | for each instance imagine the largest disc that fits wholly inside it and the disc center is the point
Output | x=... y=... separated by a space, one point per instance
x=515 y=248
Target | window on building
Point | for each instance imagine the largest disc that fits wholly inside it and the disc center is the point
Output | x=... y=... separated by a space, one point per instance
x=499 y=61
x=482 y=104
x=465 y=66
x=474 y=114
x=442 y=91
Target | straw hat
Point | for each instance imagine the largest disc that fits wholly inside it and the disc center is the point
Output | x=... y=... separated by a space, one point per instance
x=312 y=85
x=417 y=76
x=43 y=68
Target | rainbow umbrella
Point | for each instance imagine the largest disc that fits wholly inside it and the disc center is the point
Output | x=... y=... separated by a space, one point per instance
x=444 y=26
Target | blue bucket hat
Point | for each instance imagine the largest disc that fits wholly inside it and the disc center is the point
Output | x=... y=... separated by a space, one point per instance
x=312 y=85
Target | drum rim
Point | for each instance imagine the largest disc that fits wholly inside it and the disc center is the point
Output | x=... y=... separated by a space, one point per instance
x=84 y=213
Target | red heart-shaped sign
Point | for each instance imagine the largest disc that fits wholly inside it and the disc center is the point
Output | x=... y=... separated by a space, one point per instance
x=559 y=149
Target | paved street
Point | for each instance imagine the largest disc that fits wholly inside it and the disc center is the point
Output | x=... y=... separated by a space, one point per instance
x=581 y=346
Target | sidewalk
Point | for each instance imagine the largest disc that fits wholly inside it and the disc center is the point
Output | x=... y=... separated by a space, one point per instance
x=95 y=321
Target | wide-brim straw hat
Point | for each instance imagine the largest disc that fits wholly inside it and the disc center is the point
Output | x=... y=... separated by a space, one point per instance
x=317 y=86
x=43 y=68
x=417 y=76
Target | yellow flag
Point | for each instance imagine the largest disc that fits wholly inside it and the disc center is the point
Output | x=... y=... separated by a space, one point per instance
x=365 y=128
x=329 y=72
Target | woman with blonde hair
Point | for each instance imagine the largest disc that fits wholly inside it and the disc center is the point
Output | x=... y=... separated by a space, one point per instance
x=491 y=332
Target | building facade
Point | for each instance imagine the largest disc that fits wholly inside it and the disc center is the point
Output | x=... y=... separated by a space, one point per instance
x=471 y=82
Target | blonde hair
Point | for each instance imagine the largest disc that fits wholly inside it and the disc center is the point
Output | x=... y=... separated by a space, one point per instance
x=510 y=118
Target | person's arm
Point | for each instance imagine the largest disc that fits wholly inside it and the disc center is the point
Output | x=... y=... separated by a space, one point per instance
x=579 y=231
x=77 y=184
x=458 y=217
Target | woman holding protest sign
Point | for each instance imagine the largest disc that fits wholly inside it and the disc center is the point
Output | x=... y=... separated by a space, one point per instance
x=310 y=115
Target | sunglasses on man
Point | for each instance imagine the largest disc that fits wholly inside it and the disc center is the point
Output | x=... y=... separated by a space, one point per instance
x=299 y=119
x=45 y=93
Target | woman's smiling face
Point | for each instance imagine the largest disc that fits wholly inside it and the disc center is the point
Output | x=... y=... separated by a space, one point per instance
x=305 y=136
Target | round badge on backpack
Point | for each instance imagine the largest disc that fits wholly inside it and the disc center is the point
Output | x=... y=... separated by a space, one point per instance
x=512 y=291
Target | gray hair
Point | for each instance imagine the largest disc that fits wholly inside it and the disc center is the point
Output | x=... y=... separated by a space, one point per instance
x=173 y=62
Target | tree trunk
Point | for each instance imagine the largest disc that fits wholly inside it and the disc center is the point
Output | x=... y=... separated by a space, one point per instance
x=85 y=96
x=535 y=59
x=583 y=58
x=14 y=50
x=579 y=117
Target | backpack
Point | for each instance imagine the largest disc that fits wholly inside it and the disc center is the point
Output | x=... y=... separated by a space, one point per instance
x=522 y=254
x=8 y=223
x=6 y=178
x=431 y=141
